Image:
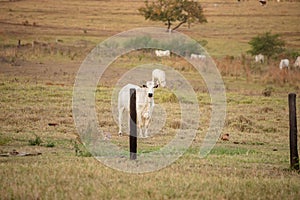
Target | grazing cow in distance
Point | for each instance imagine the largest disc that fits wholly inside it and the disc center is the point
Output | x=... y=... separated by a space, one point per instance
x=297 y=62
x=144 y=105
x=198 y=56
x=284 y=63
x=263 y=2
x=260 y=58
x=161 y=53
x=159 y=77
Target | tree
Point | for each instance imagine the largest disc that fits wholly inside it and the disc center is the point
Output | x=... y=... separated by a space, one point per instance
x=267 y=44
x=173 y=11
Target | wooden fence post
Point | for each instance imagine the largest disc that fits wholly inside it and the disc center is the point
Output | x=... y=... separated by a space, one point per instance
x=294 y=157
x=133 y=126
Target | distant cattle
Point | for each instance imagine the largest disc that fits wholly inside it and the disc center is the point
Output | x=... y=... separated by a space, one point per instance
x=159 y=77
x=297 y=62
x=284 y=63
x=144 y=105
x=263 y=2
x=260 y=58
x=198 y=56
x=161 y=53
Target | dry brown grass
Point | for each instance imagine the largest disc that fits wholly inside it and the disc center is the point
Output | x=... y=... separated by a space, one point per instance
x=258 y=146
x=230 y=24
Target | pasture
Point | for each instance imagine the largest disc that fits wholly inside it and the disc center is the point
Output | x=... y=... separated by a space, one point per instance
x=36 y=84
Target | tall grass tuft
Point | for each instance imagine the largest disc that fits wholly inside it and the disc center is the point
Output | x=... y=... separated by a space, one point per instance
x=37 y=141
x=80 y=150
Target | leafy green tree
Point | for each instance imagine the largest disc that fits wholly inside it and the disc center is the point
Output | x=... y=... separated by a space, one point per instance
x=173 y=11
x=267 y=44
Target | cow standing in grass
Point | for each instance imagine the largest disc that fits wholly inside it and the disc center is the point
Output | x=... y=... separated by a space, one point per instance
x=144 y=105
x=159 y=77
x=161 y=53
x=284 y=63
x=198 y=56
x=259 y=58
x=297 y=63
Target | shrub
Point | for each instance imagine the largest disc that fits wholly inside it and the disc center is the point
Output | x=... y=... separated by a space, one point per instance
x=291 y=53
x=81 y=151
x=267 y=44
x=37 y=141
x=141 y=41
x=50 y=144
x=179 y=46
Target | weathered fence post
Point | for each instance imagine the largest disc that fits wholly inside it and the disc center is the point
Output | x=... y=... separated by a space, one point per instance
x=294 y=157
x=132 y=125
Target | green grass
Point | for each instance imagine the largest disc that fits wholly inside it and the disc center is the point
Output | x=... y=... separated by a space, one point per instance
x=4 y=140
x=230 y=151
x=37 y=141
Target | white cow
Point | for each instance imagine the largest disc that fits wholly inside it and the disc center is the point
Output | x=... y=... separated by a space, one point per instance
x=260 y=58
x=198 y=56
x=297 y=62
x=284 y=63
x=144 y=105
x=159 y=77
x=161 y=53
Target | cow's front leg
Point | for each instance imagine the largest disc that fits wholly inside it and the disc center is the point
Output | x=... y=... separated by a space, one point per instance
x=141 y=132
x=120 y=120
x=140 y=129
x=146 y=133
x=147 y=122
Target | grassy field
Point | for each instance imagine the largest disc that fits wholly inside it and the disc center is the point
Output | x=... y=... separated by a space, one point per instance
x=36 y=84
x=230 y=24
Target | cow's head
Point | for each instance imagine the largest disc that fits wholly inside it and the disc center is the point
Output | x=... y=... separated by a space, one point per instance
x=150 y=86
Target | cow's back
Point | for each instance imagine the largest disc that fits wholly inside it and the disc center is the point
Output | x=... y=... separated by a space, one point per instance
x=159 y=74
x=284 y=63
x=124 y=98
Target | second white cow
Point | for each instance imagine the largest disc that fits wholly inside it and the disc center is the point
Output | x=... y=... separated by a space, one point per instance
x=198 y=56
x=161 y=53
x=144 y=105
x=284 y=63
x=159 y=77
x=259 y=58
x=297 y=63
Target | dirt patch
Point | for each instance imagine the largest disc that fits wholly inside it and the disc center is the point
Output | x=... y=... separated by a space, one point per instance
x=41 y=72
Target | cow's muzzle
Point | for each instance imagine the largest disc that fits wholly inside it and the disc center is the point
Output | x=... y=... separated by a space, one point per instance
x=150 y=95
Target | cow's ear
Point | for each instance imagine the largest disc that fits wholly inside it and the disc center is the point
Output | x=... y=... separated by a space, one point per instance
x=156 y=86
x=144 y=86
